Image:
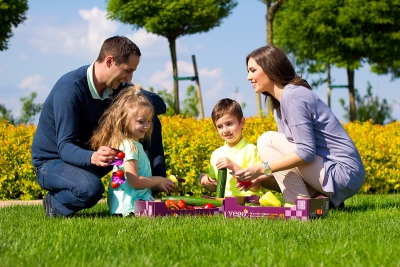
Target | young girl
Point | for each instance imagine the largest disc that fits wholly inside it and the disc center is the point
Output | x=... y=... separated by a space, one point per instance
x=123 y=125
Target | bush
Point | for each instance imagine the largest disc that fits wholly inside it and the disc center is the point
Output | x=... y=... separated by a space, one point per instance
x=17 y=175
x=379 y=147
x=188 y=144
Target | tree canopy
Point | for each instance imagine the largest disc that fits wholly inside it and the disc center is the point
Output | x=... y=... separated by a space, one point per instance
x=344 y=33
x=12 y=13
x=171 y=19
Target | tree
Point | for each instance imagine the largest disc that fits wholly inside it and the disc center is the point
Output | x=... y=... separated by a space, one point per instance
x=272 y=8
x=28 y=110
x=171 y=19
x=12 y=13
x=190 y=107
x=369 y=107
x=345 y=34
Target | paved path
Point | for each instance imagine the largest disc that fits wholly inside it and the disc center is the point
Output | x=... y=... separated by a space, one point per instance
x=6 y=203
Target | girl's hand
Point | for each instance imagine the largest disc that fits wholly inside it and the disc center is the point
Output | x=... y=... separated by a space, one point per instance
x=165 y=185
x=206 y=180
x=249 y=173
x=224 y=162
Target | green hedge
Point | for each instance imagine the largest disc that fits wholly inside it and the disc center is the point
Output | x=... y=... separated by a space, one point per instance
x=188 y=144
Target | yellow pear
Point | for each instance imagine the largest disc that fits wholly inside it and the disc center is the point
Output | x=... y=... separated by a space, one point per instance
x=172 y=178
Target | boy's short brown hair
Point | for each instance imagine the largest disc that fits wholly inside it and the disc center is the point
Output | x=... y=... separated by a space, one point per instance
x=226 y=106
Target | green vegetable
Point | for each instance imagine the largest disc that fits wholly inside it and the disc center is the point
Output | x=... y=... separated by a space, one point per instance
x=195 y=201
x=221 y=183
x=269 y=200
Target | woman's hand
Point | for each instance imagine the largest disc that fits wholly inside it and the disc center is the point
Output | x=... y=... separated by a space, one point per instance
x=250 y=173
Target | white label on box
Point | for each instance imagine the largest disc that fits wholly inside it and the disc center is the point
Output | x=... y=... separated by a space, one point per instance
x=301 y=205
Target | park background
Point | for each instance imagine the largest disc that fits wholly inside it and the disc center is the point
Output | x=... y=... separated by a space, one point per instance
x=61 y=42
x=60 y=36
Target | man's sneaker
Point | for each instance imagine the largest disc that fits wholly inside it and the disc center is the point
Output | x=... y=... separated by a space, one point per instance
x=50 y=212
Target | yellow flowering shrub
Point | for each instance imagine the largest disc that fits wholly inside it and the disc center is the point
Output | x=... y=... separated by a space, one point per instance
x=17 y=175
x=379 y=147
x=188 y=144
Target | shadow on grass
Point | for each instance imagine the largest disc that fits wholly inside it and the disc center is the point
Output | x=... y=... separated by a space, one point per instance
x=92 y=214
x=369 y=207
x=100 y=210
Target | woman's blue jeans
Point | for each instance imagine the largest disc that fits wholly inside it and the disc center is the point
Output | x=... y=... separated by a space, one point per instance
x=71 y=188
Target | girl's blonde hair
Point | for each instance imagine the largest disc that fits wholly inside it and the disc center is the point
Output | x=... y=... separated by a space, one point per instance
x=114 y=124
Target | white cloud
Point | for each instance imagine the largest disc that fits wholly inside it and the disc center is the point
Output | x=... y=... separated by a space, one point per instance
x=84 y=38
x=163 y=79
x=215 y=73
x=78 y=38
x=35 y=83
x=150 y=44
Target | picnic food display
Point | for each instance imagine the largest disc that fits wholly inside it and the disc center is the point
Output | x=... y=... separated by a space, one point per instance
x=302 y=209
x=194 y=201
x=178 y=206
x=118 y=176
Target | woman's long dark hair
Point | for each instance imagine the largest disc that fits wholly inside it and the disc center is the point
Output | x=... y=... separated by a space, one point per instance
x=277 y=67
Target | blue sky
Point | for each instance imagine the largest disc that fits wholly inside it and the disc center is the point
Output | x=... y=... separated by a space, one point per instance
x=60 y=36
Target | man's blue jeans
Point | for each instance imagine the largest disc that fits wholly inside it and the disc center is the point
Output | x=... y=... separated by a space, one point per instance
x=71 y=188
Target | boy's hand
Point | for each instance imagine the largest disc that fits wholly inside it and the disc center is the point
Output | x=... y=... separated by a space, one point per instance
x=224 y=162
x=206 y=180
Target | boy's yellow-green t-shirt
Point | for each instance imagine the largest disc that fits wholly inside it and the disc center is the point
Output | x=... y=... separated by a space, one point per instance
x=244 y=154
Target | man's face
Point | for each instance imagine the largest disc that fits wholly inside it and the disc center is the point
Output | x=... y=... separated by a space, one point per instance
x=123 y=72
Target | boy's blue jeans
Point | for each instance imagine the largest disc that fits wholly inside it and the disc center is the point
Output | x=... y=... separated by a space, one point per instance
x=71 y=188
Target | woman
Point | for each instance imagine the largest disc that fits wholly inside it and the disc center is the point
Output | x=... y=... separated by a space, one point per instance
x=312 y=154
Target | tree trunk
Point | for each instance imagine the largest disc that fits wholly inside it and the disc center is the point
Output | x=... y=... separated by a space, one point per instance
x=198 y=90
x=172 y=48
x=328 y=71
x=350 y=77
x=271 y=11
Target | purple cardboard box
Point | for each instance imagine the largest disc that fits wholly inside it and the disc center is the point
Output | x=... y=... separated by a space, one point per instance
x=158 y=208
x=303 y=209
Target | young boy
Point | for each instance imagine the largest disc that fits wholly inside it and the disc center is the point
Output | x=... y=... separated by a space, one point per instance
x=235 y=154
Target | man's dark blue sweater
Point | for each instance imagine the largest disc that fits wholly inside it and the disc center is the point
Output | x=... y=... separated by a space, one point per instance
x=69 y=117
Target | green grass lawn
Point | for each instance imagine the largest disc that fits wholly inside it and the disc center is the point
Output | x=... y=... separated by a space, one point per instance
x=365 y=233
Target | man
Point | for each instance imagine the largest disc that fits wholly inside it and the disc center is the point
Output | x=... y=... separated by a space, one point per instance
x=65 y=165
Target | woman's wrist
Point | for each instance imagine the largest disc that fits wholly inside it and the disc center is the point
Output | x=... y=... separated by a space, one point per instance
x=261 y=169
